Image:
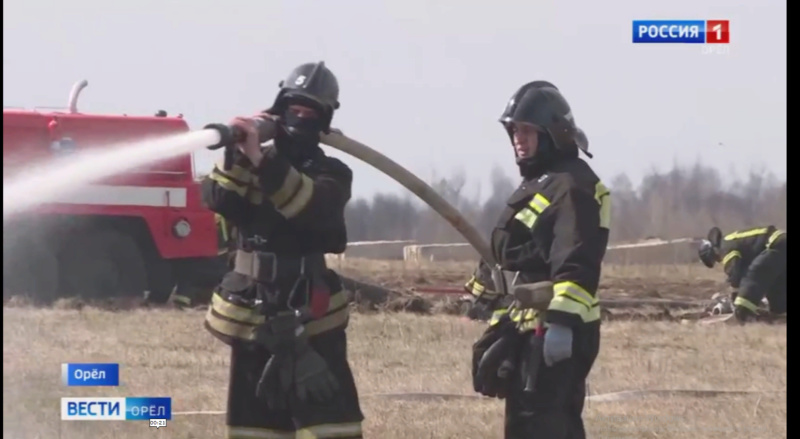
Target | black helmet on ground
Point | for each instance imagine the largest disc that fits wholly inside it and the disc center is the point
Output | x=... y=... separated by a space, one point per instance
x=541 y=104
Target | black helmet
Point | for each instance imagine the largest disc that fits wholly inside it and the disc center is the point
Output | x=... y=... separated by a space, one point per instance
x=313 y=84
x=541 y=104
x=707 y=253
x=709 y=247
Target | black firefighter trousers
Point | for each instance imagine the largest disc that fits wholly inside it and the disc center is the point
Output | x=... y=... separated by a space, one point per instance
x=249 y=417
x=766 y=277
x=554 y=410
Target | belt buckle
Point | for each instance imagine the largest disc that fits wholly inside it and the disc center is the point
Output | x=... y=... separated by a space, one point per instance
x=259 y=258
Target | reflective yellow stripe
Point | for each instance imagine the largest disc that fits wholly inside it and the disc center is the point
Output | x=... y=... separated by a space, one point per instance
x=236 y=172
x=731 y=254
x=497 y=315
x=539 y=203
x=741 y=301
x=527 y=217
x=222 y=225
x=329 y=431
x=294 y=195
x=529 y=214
x=236 y=312
x=339 y=315
x=575 y=292
x=574 y=299
x=227 y=183
x=525 y=319
x=775 y=235
x=237 y=186
x=257 y=433
x=746 y=234
x=238 y=322
x=227 y=328
x=478 y=290
x=181 y=299
x=603 y=197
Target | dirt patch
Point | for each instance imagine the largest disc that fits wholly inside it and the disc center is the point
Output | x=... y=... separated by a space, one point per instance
x=674 y=293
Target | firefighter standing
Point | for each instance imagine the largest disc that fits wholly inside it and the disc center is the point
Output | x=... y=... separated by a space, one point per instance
x=754 y=261
x=196 y=276
x=282 y=311
x=553 y=233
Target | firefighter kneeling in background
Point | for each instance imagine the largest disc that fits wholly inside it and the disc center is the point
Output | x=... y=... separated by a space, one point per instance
x=754 y=261
x=198 y=276
x=282 y=311
x=538 y=353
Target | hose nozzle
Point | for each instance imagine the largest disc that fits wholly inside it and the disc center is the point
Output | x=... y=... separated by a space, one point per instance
x=228 y=135
x=231 y=135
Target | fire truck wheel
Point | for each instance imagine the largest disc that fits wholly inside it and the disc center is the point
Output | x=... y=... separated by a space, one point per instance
x=161 y=280
x=104 y=263
x=32 y=272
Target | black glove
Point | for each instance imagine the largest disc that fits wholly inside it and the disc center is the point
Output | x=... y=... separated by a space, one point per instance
x=313 y=381
x=492 y=361
x=294 y=364
x=744 y=315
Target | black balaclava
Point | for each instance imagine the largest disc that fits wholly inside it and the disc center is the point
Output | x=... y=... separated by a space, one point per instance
x=299 y=137
x=547 y=155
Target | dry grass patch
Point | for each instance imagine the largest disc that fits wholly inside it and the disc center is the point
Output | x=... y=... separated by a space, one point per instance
x=167 y=353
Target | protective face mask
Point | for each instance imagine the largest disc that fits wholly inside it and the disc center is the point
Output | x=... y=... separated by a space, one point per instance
x=303 y=129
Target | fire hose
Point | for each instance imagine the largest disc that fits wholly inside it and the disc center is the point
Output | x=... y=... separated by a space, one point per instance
x=229 y=136
x=335 y=138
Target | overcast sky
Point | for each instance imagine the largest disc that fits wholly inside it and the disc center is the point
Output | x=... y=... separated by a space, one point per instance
x=423 y=81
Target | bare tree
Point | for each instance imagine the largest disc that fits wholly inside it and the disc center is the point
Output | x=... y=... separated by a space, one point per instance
x=681 y=202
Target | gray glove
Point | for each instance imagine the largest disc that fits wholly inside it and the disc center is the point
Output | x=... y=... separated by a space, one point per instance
x=557 y=344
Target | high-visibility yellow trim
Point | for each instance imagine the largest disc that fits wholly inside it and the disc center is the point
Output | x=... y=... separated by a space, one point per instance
x=529 y=214
x=236 y=312
x=574 y=299
x=527 y=217
x=294 y=195
x=239 y=322
x=236 y=185
x=741 y=301
x=288 y=188
x=603 y=197
x=227 y=183
x=474 y=287
x=222 y=225
x=183 y=300
x=330 y=431
x=775 y=235
x=257 y=433
x=539 y=203
x=729 y=257
x=746 y=233
x=525 y=319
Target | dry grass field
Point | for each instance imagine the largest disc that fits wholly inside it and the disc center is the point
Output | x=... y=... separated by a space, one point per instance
x=167 y=353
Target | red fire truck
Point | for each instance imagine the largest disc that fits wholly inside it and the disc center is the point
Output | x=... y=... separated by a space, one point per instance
x=132 y=234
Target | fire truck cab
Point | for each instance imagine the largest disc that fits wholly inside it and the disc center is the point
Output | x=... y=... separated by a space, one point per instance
x=132 y=234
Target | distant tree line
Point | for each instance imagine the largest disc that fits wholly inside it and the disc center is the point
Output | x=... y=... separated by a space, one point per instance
x=683 y=202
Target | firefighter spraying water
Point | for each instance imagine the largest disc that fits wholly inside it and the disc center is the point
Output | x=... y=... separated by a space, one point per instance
x=121 y=188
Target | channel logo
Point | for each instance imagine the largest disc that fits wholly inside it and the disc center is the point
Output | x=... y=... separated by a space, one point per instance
x=90 y=374
x=682 y=31
x=116 y=409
